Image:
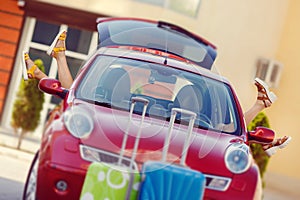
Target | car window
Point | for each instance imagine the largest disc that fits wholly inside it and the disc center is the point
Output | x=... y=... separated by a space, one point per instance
x=113 y=81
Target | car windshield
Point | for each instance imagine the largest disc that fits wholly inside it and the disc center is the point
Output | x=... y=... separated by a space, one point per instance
x=113 y=81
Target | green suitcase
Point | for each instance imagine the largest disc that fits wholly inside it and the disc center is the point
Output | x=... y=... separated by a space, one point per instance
x=106 y=181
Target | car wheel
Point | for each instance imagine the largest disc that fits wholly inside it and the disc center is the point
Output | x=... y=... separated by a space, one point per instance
x=31 y=181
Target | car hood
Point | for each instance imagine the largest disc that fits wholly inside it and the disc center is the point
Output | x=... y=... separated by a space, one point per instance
x=206 y=151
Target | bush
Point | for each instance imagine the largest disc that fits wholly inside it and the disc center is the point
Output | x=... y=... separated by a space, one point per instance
x=27 y=106
x=259 y=155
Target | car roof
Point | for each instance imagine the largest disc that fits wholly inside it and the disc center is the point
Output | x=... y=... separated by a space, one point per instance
x=157 y=35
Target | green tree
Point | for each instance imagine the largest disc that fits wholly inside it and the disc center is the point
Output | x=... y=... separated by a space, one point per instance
x=27 y=106
x=259 y=155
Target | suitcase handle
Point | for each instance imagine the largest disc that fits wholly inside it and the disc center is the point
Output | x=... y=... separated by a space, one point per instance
x=137 y=140
x=134 y=100
x=139 y=99
x=183 y=111
x=187 y=138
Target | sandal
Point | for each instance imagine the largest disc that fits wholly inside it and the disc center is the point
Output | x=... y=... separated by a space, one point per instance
x=267 y=95
x=26 y=71
x=277 y=144
x=53 y=50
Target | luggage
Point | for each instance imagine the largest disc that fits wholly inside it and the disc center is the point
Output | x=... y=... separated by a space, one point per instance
x=114 y=181
x=167 y=181
x=107 y=181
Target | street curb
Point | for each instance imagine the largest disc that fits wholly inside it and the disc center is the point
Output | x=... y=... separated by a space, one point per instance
x=17 y=154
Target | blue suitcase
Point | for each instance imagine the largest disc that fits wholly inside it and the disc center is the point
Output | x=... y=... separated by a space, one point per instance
x=167 y=181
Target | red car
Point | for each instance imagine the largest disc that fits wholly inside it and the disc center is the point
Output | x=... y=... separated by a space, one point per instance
x=170 y=67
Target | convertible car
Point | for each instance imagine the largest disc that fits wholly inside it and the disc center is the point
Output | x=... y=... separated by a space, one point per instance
x=170 y=68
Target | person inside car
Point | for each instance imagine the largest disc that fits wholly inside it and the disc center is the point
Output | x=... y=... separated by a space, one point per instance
x=265 y=98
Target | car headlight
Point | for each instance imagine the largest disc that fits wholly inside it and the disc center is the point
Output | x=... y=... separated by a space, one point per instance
x=78 y=123
x=237 y=158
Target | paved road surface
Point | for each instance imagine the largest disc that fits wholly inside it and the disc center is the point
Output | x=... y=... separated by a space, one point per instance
x=14 y=166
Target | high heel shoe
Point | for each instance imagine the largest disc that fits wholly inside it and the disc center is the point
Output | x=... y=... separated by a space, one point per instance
x=27 y=73
x=266 y=94
x=280 y=143
x=53 y=49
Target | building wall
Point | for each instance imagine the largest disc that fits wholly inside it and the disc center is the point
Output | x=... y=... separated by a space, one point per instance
x=11 y=17
x=284 y=114
x=243 y=31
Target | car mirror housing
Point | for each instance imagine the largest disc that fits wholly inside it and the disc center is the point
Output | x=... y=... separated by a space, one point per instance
x=53 y=87
x=261 y=135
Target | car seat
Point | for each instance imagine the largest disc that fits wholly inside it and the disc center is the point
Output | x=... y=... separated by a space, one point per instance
x=115 y=85
x=189 y=98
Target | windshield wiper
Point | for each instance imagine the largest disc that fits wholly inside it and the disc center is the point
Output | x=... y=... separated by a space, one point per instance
x=99 y=103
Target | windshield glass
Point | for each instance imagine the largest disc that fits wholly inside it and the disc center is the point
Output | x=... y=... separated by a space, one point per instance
x=112 y=82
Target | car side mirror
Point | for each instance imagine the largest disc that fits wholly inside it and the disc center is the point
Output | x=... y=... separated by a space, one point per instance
x=53 y=87
x=261 y=135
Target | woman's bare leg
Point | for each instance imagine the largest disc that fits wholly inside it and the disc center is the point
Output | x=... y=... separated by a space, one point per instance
x=254 y=110
x=64 y=74
x=264 y=99
x=58 y=52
